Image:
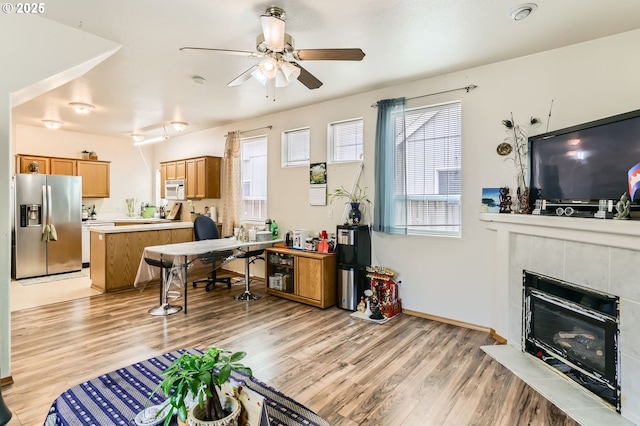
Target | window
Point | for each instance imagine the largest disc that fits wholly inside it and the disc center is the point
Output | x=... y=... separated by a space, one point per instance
x=346 y=140
x=295 y=147
x=425 y=195
x=254 y=178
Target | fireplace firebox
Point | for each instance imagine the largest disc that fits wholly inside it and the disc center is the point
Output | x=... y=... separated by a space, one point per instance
x=575 y=330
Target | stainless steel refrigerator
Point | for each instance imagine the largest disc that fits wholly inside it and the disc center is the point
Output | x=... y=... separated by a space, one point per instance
x=47 y=231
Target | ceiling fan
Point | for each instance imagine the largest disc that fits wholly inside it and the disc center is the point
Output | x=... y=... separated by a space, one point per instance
x=278 y=50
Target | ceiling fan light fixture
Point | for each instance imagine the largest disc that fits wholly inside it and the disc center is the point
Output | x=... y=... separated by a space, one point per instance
x=520 y=12
x=273 y=28
x=268 y=68
x=179 y=126
x=286 y=74
x=81 y=107
x=52 y=124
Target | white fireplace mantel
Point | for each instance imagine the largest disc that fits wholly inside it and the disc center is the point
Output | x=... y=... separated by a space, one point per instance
x=600 y=254
x=608 y=232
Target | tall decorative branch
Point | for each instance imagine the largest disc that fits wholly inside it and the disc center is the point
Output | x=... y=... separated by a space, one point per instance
x=517 y=135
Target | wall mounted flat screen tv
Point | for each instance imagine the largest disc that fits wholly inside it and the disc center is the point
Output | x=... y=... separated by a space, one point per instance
x=586 y=163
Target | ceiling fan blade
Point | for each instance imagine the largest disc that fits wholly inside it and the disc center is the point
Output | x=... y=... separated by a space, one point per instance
x=242 y=77
x=227 y=51
x=328 y=54
x=307 y=78
x=273 y=30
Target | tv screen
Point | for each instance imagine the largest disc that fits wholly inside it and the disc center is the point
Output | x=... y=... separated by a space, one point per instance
x=586 y=163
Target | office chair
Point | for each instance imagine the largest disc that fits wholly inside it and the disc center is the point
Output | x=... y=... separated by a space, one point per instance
x=249 y=257
x=206 y=229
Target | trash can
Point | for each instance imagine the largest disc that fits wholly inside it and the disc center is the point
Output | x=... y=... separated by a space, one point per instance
x=347 y=289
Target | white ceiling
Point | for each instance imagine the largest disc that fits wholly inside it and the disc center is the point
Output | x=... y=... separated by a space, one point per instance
x=148 y=82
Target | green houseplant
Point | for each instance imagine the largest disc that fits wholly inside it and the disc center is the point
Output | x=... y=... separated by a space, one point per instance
x=200 y=376
x=355 y=198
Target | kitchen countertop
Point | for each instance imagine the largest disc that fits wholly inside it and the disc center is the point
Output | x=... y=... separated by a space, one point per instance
x=128 y=220
x=143 y=227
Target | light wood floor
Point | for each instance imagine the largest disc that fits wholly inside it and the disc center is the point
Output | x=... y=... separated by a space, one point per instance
x=409 y=371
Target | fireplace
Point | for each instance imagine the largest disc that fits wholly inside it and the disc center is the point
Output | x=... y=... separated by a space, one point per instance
x=575 y=330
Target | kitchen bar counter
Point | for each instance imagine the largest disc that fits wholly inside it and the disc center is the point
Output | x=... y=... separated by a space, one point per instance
x=141 y=225
x=116 y=251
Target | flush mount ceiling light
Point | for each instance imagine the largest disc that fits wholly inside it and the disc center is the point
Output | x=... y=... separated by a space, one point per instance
x=137 y=137
x=522 y=11
x=81 y=108
x=200 y=81
x=179 y=126
x=52 y=124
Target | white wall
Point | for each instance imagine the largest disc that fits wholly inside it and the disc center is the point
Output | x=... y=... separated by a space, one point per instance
x=36 y=59
x=450 y=277
x=131 y=168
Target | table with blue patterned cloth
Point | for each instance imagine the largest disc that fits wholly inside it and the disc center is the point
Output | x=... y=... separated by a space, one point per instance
x=116 y=397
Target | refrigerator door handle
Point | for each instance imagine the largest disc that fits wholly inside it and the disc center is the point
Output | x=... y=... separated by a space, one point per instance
x=50 y=201
x=45 y=208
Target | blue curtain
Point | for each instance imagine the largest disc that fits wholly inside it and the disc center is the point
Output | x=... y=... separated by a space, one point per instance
x=389 y=129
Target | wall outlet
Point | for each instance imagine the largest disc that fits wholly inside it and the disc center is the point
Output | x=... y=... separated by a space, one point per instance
x=330 y=214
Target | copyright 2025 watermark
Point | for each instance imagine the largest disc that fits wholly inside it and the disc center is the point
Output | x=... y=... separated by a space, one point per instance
x=23 y=8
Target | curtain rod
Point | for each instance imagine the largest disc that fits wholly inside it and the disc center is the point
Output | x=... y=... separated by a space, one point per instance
x=252 y=130
x=467 y=88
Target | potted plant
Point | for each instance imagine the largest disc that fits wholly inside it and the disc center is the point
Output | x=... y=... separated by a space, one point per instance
x=355 y=198
x=198 y=377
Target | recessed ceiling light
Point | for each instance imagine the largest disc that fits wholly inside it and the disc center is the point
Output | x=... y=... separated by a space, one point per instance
x=81 y=108
x=522 y=11
x=52 y=124
x=179 y=126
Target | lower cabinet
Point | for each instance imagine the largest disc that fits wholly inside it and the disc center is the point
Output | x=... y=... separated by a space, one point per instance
x=306 y=277
x=115 y=256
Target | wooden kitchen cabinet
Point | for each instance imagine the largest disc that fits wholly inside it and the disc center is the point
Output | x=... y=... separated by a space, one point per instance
x=115 y=256
x=63 y=166
x=44 y=164
x=302 y=276
x=181 y=170
x=96 y=181
x=170 y=169
x=201 y=174
x=163 y=178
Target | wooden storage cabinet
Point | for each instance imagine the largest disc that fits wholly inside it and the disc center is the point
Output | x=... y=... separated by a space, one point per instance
x=202 y=176
x=96 y=181
x=63 y=166
x=306 y=277
x=115 y=257
x=44 y=164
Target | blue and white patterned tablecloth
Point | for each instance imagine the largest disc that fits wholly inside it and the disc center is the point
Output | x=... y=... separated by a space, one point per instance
x=116 y=397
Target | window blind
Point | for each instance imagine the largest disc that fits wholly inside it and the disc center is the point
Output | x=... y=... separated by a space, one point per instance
x=346 y=140
x=296 y=147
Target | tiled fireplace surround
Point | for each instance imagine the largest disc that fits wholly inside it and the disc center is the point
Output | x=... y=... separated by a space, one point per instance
x=603 y=255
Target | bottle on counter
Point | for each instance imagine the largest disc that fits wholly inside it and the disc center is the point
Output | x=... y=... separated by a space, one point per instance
x=274 y=230
x=94 y=215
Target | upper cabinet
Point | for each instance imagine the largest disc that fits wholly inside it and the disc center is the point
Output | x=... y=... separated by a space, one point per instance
x=96 y=181
x=201 y=175
x=44 y=164
x=63 y=166
x=95 y=178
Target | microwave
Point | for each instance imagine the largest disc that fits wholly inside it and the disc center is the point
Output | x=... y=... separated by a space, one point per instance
x=174 y=189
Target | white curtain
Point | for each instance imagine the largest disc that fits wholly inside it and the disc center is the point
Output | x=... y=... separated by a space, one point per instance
x=232 y=200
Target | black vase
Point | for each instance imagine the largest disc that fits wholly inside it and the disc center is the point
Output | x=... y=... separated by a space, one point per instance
x=355 y=215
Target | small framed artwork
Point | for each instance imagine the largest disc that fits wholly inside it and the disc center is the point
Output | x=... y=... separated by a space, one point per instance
x=490 y=200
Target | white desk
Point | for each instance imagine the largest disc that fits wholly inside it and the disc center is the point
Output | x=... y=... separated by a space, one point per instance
x=183 y=254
